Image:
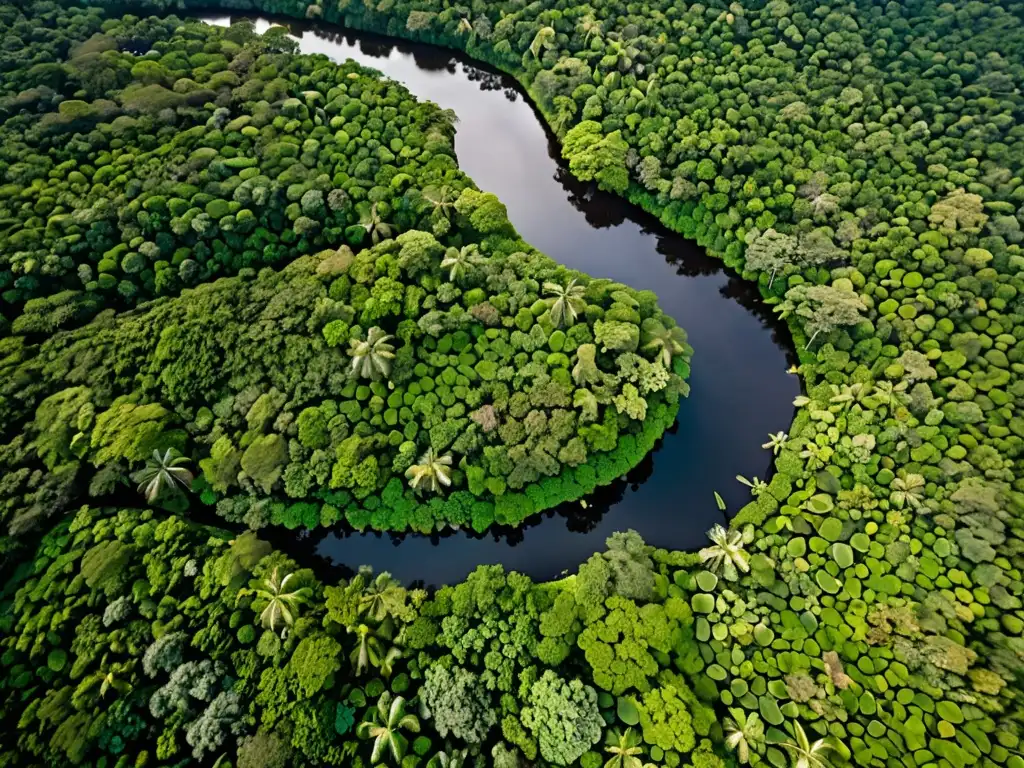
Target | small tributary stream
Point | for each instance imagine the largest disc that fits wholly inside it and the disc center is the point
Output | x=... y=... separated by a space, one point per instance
x=740 y=390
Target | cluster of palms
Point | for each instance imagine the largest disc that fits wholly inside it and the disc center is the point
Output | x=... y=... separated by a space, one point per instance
x=371 y=359
x=381 y=601
x=384 y=598
x=728 y=557
x=745 y=735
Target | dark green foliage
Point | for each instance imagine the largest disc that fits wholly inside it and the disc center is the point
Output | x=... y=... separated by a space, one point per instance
x=340 y=372
x=166 y=671
x=862 y=162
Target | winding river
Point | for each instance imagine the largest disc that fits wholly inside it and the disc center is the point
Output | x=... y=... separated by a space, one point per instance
x=740 y=390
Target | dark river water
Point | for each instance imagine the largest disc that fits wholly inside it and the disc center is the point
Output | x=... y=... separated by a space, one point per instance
x=740 y=390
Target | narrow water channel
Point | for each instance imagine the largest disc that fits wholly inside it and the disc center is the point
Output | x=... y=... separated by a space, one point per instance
x=740 y=390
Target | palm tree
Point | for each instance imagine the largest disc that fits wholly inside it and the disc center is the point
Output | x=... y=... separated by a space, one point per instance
x=727 y=553
x=892 y=396
x=623 y=748
x=441 y=200
x=371 y=651
x=372 y=222
x=805 y=754
x=431 y=471
x=460 y=261
x=443 y=759
x=566 y=303
x=565 y=111
x=652 y=93
x=163 y=471
x=385 y=727
x=371 y=359
x=384 y=597
x=666 y=342
x=282 y=604
x=776 y=441
x=816 y=456
x=756 y=486
x=590 y=26
x=743 y=732
x=907 y=489
x=544 y=39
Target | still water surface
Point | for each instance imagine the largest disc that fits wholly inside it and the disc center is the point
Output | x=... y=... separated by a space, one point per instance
x=740 y=390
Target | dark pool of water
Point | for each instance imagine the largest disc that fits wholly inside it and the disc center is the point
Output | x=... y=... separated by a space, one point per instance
x=740 y=390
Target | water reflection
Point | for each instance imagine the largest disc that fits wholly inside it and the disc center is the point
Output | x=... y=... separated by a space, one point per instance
x=411 y=558
x=739 y=389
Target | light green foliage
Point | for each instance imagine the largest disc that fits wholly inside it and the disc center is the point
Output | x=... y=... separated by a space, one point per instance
x=457 y=704
x=594 y=155
x=665 y=719
x=130 y=432
x=564 y=717
x=57 y=419
x=361 y=270
x=314 y=664
x=263 y=461
x=617 y=336
x=621 y=646
x=872 y=179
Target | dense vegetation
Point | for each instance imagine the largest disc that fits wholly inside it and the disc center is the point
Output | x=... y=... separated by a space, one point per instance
x=142 y=641
x=446 y=356
x=864 y=164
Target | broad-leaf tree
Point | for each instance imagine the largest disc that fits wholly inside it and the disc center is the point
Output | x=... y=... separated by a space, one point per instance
x=374 y=224
x=624 y=748
x=744 y=732
x=807 y=754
